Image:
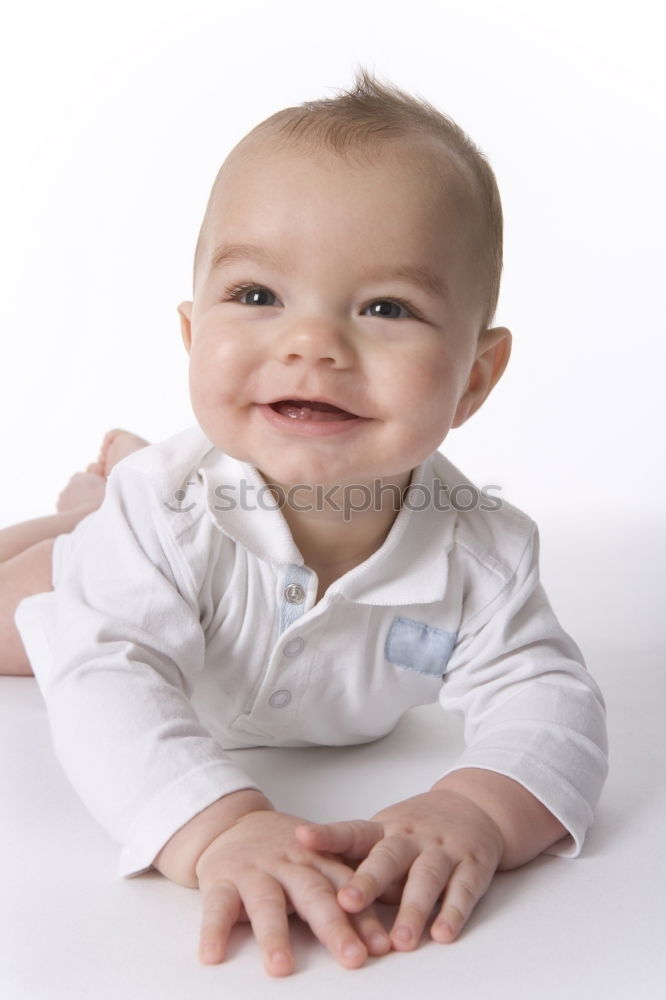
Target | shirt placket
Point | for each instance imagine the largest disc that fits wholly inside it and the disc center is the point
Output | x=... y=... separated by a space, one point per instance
x=280 y=697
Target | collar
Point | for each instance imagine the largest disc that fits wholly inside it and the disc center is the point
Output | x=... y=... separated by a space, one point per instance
x=411 y=566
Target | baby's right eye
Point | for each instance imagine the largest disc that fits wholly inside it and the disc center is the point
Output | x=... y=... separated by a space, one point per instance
x=256 y=295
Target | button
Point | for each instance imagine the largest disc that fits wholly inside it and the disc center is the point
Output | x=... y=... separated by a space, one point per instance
x=294 y=593
x=294 y=646
x=279 y=699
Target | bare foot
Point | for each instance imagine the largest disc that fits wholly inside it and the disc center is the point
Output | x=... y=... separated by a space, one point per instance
x=117 y=444
x=84 y=490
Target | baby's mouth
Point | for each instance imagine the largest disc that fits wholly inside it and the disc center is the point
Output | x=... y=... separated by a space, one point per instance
x=306 y=409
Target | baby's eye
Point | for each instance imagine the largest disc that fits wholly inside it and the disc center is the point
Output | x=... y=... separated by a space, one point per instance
x=257 y=295
x=390 y=309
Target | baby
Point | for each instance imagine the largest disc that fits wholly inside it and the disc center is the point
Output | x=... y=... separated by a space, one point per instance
x=303 y=565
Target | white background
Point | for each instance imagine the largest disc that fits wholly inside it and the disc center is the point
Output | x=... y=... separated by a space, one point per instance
x=115 y=118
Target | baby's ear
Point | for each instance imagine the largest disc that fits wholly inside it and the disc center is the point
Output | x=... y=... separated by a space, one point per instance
x=492 y=357
x=185 y=313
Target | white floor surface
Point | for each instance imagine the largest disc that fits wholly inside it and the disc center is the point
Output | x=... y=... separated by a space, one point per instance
x=578 y=929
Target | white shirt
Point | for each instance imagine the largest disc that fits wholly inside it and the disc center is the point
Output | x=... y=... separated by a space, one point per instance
x=182 y=625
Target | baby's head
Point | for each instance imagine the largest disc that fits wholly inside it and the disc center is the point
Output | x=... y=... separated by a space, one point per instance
x=350 y=257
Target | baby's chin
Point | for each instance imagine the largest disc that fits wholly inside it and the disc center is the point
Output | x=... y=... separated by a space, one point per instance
x=304 y=465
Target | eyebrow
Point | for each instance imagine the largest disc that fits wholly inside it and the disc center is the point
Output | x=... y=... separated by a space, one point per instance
x=424 y=277
x=228 y=252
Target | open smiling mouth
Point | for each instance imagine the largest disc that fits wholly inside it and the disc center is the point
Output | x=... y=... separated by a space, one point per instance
x=306 y=409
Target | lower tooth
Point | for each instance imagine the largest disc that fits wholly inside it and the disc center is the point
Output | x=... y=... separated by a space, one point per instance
x=298 y=413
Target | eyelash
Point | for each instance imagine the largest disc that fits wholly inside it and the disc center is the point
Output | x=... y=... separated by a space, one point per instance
x=234 y=293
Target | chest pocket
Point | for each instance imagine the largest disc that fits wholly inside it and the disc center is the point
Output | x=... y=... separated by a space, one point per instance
x=419 y=647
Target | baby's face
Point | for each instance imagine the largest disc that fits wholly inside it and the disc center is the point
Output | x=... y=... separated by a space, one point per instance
x=312 y=290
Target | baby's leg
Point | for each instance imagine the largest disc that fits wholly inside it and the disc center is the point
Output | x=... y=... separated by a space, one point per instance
x=19 y=537
x=25 y=569
x=25 y=549
x=24 y=574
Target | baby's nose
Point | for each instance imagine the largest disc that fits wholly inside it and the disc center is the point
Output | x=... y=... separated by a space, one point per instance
x=315 y=341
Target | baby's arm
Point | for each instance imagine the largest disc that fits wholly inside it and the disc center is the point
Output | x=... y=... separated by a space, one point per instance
x=128 y=645
x=528 y=781
x=243 y=856
x=449 y=840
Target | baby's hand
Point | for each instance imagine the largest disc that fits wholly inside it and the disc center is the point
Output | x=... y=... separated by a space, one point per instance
x=440 y=841
x=256 y=870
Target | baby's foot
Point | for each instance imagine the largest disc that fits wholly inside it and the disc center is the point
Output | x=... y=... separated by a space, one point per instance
x=85 y=490
x=117 y=444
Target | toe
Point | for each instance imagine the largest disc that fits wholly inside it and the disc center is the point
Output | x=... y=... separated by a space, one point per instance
x=106 y=444
x=118 y=444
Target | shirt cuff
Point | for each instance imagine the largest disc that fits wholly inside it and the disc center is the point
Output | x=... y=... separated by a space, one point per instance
x=551 y=788
x=172 y=808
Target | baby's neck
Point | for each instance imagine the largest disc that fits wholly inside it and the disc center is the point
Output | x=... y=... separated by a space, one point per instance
x=331 y=565
x=334 y=542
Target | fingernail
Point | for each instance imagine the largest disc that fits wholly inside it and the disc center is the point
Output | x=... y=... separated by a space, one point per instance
x=353 y=894
x=209 y=952
x=380 y=942
x=280 y=958
x=402 y=934
x=443 y=928
x=352 y=950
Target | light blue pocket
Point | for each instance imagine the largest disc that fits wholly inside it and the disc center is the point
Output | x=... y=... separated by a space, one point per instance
x=419 y=647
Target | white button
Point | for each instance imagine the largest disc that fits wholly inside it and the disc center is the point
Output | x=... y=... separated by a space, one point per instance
x=279 y=699
x=294 y=646
x=294 y=593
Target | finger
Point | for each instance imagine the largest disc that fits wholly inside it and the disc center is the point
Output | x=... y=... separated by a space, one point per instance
x=366 y=924
x=427 y=877
x=314 y=899
x=371 y=931
x=221 y=908
x=393 y=894
x=385 y=864
x=266 y=908
x=354 y=838
x=331 y=867
x=467 y=885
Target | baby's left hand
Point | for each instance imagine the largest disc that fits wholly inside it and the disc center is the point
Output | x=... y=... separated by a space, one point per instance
x=441 y=841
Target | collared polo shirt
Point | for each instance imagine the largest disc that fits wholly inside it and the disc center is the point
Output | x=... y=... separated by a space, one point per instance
x=184 y=622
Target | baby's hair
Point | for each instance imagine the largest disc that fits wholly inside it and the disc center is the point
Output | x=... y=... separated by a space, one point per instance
x=370 y=113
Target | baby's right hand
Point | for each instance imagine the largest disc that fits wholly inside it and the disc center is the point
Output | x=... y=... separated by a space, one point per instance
x=256 y=870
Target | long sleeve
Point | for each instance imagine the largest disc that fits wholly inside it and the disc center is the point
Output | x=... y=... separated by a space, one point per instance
x=532 y=711
x=127 y=647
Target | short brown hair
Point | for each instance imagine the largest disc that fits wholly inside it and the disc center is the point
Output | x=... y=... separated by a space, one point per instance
x=371 y=112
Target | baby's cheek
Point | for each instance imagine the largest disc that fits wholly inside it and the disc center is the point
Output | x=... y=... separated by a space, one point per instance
x=212 y=375
x=200 y=387
x=434 y=391
x=431 y=382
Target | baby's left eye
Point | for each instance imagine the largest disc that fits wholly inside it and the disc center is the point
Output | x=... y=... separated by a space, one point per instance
x=389 y=309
